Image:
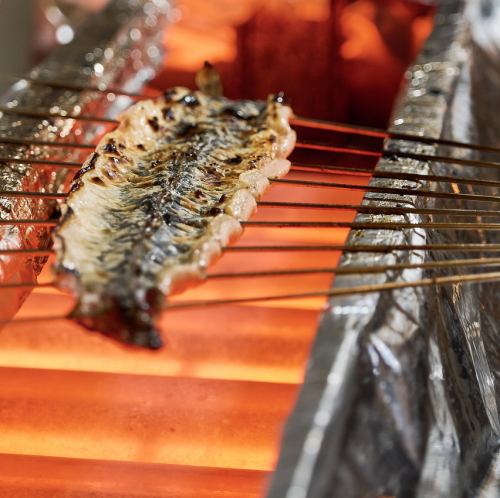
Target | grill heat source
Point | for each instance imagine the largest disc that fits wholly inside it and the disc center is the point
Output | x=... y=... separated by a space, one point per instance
x=205 y=413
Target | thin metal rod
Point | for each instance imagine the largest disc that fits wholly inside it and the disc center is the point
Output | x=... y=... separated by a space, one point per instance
x=351 y=270
x=397 y=175
x=344 y=291
x=299 y=144
x=31 y=113
x=318 y=168
x=392 y=190
x=41 y=195
x=310 y=183
x=380 y=133
x=379 y=209
x=41 y=162
x=376 y=248
x=346 y=207
x=73 y=86
x=394 y=154
x=40 y=223
x=442 y=159
x=27 y=285
x=44 y=143
x=359 y=270
x=30 y=319
x=311 y=224
x=295 y=121
x=26 y=252
x=473 y=278
x=346 y=149
x=375 y=225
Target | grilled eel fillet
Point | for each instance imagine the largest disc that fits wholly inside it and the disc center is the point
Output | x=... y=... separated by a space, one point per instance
x=157 y=201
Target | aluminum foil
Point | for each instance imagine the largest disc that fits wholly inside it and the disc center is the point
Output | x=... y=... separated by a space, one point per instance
x=401 y=392
x=118 y=48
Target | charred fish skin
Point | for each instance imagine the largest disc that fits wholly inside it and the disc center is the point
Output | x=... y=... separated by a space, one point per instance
x=157 y=201
x=108 y=31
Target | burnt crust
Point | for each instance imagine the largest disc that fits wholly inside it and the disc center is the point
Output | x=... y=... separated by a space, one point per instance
x=160 y=197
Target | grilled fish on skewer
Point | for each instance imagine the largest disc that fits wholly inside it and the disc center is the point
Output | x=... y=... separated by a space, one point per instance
x=159 y=198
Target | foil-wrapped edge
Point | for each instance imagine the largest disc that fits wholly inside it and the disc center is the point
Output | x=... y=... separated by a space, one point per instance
x=399 y=392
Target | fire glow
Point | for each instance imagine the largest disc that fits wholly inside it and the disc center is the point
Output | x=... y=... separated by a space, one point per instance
x=213 y=401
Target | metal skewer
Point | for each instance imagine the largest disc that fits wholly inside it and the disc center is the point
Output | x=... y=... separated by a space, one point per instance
x=27 y=285
x=397 y=175
x=340 y=291
x=363 y=151
x=44 y=143
x=345 y=207
x=380 y=209
x=395 y=154
x=344 y=291
x=40 y=223
x=375 y=248
x=320 y=184
x=26 y=252
x=296 y=120
x=392 y=190
x=352 y=270
x=372 y=225
x=359 y=270
x=380 y=133
x=41 y=162
x=29 y=113
x=41 y=195
x=73 y=86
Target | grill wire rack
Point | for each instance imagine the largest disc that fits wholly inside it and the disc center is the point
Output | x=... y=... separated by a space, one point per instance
x=417 y=283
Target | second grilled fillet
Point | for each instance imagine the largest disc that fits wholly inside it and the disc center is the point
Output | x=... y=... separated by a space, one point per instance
x=157 y=201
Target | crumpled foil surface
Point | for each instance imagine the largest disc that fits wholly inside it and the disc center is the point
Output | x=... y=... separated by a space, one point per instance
x=401 y=392
x=117 y=48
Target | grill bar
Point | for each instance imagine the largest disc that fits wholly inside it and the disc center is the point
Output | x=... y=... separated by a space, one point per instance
x=41 y=195
x=26 y=252
x=346 y=291
x=392 y=190
x=297 y=167
x=339 y=207
x=311 y=224
x=296 y=120
x=346 y=149
x=44 y=143
x=40 y=223
x=340 y=291
x=380 y=133
x=364 y=151
x=312 y=183
x=353 y=270
x=481 y=247
x=396 y=175
x=27 y=285
x=72 y=86
x=394 y=154
x=356 y=270
x=41 y=162
x=380 y=209
x=30 y=113
x=372 y=225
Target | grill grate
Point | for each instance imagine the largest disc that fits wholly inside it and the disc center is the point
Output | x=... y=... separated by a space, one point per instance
x=302 y=168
